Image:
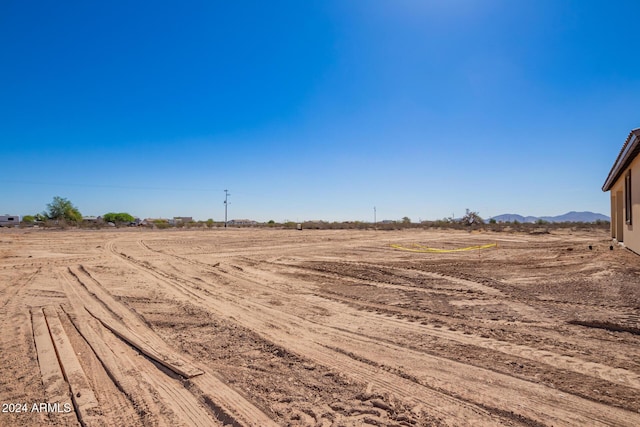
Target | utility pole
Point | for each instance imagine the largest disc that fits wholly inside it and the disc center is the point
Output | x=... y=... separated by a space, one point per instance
x=374 y=216
x=226 y=203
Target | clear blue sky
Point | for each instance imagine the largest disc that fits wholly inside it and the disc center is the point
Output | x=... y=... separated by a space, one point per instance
x=315 y=109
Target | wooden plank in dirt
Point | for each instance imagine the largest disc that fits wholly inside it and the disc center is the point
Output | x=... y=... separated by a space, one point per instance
x=82 y=395
x=56 y=388
x=118 y=369
x=129 y=327
x=170 y=362
x=229 y=406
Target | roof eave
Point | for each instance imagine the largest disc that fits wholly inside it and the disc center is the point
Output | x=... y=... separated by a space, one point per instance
x=627 y=153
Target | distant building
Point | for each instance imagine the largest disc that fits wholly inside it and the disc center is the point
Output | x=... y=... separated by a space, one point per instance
x=153 y=221
x=184 y=219
x=9 y=220
x=623 y=182
x=242 y=222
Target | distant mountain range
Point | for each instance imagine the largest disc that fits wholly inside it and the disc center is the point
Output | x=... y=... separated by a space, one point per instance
x=568 y=217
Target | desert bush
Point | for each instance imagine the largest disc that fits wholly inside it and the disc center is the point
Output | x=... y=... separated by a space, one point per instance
x=471 y=218
x=118 y=218
x=61 y=209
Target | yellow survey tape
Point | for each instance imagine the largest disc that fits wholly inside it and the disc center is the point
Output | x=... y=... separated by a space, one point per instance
x=425 y=249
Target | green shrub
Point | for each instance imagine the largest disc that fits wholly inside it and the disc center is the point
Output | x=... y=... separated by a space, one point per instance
x=62 y=209
x=118 y=218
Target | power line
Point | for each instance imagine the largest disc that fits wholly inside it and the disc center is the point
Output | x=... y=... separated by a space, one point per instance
x=118 y=187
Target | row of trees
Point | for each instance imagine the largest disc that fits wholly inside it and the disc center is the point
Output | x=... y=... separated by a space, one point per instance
x=61 y=209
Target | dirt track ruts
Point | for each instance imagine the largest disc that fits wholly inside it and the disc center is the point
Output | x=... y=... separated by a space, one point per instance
x=250 y=327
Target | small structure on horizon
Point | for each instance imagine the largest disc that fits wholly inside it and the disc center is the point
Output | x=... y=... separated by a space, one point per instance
x=242 y=222
x=623 y=182
x=184 y=219
x=9 y=220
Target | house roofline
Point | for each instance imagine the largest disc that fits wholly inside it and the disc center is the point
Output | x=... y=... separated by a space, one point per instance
x=628 y=152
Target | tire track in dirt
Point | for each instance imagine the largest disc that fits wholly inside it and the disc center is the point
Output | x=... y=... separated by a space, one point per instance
x=459 y=286
x=253 y=247
x=342 y=322
x=520 y=305
x=455 y=330
x=36 y=263
x=615 y=375
x=477 y=284
x=272 y=314
x=391 y=274
x=438 y=403
x=10 y=291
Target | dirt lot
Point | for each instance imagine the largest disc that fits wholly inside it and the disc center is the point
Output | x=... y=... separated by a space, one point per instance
x=317 y=328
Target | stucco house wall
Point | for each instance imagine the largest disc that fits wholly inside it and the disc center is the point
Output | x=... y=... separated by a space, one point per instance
x=626 y=232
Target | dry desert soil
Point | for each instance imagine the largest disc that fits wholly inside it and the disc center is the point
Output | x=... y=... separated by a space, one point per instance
x=260 y=327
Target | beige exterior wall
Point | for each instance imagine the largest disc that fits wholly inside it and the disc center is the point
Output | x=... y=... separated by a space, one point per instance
x=613 y=215
x=617 y=210
x=629 y=234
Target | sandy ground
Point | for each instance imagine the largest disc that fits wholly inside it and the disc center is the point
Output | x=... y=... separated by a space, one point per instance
x=317 y=328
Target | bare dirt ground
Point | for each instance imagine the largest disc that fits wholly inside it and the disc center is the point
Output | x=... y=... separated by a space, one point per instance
x=255 y=327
